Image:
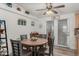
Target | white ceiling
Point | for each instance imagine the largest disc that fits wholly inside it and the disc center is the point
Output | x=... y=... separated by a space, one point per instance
x=32 y=7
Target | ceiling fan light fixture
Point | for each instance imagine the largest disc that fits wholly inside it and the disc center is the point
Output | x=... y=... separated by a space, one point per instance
x=49 y=12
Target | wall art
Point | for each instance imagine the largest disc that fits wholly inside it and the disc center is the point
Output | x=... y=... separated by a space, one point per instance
x=22 y=22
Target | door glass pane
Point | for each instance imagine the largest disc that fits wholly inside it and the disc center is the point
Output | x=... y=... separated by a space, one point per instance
x=62 y=32
x=50 y=28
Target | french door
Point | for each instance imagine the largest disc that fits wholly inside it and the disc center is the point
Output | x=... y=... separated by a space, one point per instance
x=63 y=32
x=60 y=30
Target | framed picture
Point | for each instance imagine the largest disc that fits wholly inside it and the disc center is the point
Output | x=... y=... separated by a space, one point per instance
x=19 y=22
x=22 y=22
x=32 y=23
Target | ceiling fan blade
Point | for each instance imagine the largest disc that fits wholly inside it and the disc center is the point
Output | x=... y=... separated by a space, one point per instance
x=40 y=9
x=44 y=13
x=55 y=11
x=61 y=6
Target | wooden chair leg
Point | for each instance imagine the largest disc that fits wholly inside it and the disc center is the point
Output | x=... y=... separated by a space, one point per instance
x=52 y=53
x=49 y=51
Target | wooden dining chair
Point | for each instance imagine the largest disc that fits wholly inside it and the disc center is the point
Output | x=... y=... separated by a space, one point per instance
x=23 y=37
x=24 y=47
x=44 y=36
x=17 y=49
x=50 y=47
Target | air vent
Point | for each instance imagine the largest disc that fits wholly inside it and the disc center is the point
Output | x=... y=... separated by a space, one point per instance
x=27 y=12
x=9 y=4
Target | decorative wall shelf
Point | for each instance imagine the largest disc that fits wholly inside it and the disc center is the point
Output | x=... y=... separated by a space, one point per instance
x=1 y=31
x=3 y=40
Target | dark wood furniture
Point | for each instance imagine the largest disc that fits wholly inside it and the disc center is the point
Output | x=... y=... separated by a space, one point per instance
x=3 y=39
x=34 y=44
x=17 y=49
x=50 y=47
x=50 y=43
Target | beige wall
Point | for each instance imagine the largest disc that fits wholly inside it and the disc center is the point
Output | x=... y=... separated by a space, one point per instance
x=14 y=30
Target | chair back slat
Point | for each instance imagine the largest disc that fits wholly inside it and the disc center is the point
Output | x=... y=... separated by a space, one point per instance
x=16 y=47
x=23 y=37
x=43 y=36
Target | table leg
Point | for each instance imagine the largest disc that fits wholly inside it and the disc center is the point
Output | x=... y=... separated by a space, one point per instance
x=34 y=52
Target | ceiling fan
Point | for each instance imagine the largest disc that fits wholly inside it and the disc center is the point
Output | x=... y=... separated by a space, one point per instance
x=50 y=8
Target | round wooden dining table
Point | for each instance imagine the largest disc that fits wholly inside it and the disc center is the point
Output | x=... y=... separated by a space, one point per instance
x=34 y=44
